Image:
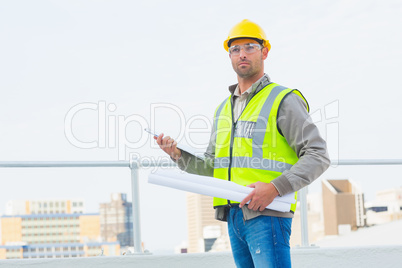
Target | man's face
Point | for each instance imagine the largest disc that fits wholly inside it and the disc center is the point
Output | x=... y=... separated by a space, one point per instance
x=248 y=65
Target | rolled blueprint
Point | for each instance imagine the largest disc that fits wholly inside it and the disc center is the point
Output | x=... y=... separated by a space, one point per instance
x=211 y=181
x=213 y=187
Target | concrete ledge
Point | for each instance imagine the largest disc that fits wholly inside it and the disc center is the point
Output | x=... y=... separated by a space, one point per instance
x=345 y=257
x=386 y=256
x=209 y=260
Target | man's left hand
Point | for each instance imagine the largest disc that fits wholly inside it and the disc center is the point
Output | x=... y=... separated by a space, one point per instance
x=262 y=195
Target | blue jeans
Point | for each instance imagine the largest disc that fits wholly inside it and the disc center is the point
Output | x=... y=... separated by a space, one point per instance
x=260 y=242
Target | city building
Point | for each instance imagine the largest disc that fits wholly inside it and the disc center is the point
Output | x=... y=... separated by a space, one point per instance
x=343 y=206
x=53 y=236
x=116 y=223
x=386 y=207
x=56 y=206
x=204 y=232
x=50 y=228
x=62 y=250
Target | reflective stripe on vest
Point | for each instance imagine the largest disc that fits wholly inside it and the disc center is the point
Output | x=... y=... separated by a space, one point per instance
x=252 y=149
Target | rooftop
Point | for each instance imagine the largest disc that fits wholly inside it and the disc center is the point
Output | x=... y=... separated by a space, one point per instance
x=345 y=257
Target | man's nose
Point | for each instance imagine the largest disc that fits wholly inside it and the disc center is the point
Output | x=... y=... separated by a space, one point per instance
x=242 y=53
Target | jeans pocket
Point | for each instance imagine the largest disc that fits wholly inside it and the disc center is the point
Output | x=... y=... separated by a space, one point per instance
x=285 y=225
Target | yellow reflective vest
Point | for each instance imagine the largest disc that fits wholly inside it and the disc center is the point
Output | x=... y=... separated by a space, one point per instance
x=252 y=149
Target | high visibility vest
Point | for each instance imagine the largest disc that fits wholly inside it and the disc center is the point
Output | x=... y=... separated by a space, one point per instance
x=252 y=149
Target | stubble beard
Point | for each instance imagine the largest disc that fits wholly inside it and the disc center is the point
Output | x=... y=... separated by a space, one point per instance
x=245 y=72
x=248 y=71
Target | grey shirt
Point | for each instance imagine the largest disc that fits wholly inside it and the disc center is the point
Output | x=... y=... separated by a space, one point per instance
x=300 y=132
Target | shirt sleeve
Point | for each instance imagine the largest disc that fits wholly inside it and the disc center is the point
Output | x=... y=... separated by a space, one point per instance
x=194 y=165
x=303 y=137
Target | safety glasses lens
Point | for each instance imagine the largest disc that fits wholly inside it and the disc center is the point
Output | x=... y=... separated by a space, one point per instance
x=248 y=48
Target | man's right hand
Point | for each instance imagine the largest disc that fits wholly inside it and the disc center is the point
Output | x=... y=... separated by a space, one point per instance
x=168 y=145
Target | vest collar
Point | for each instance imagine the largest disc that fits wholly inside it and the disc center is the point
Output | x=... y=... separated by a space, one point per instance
x=257 y=86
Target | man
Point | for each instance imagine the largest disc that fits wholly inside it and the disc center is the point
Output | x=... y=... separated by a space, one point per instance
x=264 y=138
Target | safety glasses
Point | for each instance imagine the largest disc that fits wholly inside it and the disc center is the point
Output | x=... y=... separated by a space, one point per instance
x=248 y=48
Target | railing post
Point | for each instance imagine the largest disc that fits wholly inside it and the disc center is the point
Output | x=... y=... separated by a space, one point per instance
x=134 y=166
x=303 y=217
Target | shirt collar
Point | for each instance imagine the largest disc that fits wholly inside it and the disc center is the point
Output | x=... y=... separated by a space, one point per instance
x=245 y=93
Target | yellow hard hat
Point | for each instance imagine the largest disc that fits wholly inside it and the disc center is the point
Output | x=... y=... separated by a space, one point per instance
x=247 y=29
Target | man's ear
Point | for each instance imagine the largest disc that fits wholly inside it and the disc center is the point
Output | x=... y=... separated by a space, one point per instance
x=264 y=53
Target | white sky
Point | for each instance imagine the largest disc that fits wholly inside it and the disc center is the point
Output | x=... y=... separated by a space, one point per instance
x=58 y=54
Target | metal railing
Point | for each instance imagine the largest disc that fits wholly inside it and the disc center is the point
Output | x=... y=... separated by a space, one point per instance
x=135 y=164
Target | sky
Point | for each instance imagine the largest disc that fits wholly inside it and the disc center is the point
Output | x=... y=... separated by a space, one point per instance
x=81 y=79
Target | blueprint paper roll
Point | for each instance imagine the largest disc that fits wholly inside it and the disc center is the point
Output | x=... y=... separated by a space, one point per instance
x=196 y=188
x=205 y=180
x=211 y=181
x=210 y=190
